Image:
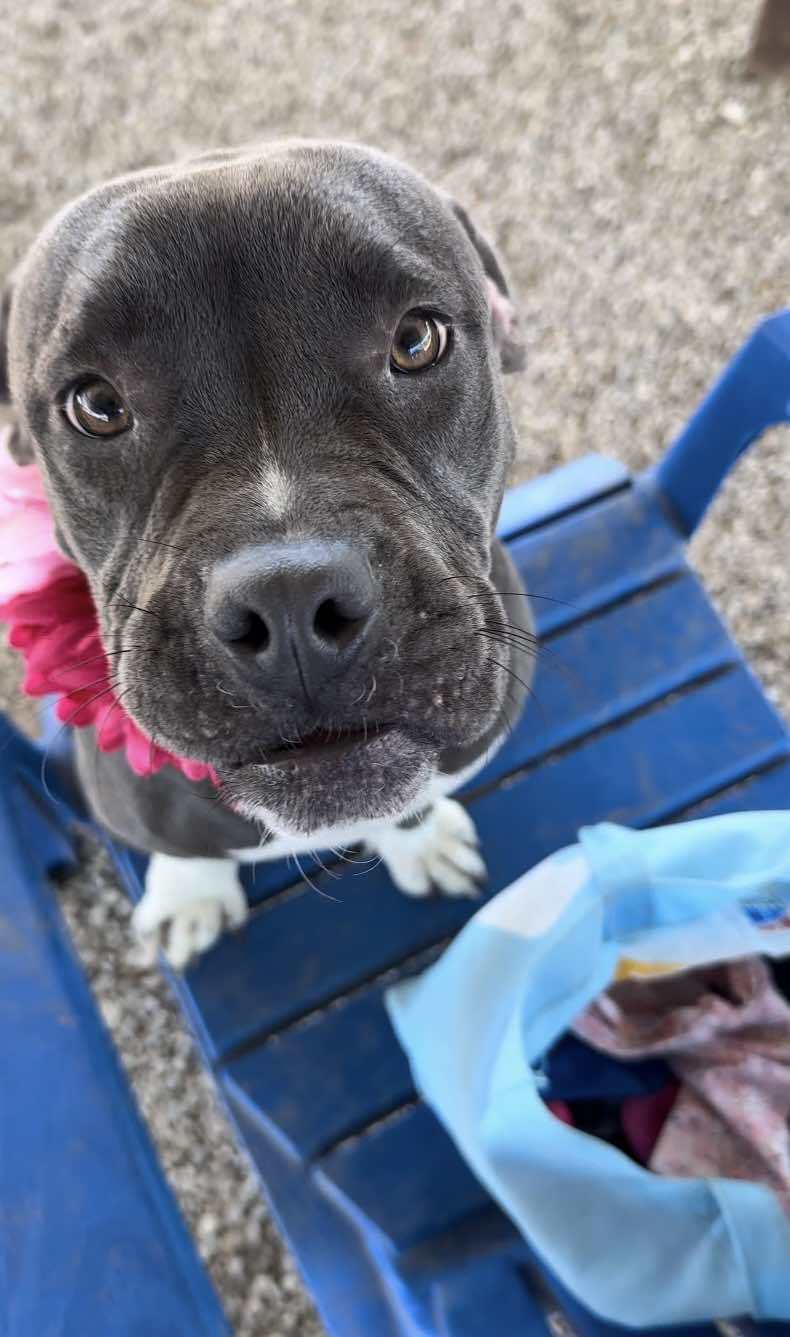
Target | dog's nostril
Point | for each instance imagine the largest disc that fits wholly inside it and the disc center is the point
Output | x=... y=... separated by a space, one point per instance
x=295 y=611
x=255 y=636
x=331 y=624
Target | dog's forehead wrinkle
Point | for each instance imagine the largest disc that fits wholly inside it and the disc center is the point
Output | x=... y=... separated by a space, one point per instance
x=136 y=291
x=271 y=227
x=361 y=202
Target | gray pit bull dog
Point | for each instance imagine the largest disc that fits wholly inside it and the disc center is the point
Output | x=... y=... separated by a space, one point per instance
x=264 y=389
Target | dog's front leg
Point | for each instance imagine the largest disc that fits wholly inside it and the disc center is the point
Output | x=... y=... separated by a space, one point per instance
x=186 y=905
x=437 y=851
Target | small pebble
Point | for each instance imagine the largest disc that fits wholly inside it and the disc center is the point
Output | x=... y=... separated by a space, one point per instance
x=733 y=112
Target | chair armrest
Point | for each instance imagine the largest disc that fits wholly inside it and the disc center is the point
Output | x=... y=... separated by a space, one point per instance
x=751 y=395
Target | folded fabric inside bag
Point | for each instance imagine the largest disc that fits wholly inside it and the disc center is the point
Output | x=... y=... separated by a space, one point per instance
x=625 y=1103
x=725 y=1031
x=598 y=935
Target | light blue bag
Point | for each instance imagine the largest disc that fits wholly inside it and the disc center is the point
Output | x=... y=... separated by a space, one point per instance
x=636 y=1248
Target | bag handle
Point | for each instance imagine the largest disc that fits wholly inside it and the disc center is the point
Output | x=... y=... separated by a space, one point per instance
x=751 y=395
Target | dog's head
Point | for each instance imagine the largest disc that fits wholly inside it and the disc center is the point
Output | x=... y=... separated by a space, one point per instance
x=264 y=389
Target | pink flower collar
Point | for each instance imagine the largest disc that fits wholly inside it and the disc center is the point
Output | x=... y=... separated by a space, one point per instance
x=47 y=602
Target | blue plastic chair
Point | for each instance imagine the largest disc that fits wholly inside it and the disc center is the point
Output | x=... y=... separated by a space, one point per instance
x=645 y=712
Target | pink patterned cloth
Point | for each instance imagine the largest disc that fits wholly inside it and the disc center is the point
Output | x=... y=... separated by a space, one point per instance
x=725 y=1031
x=643 y=1118
x=47 y=602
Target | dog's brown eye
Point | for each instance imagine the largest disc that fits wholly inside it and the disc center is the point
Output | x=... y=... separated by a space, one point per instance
x=96 y=409
x=419 y=342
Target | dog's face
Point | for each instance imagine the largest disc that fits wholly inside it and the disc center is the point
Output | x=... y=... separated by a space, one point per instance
x=265 y=393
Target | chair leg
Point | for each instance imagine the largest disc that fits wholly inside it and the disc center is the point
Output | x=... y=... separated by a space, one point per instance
x=770 y=50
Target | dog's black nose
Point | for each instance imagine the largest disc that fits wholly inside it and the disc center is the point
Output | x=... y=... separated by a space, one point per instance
x=297 y=612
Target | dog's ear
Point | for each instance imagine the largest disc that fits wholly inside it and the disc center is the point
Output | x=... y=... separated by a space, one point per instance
x=504 y=316
x=19 y=446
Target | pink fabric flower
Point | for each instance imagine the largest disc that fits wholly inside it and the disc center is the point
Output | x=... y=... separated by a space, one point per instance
x=47 y=603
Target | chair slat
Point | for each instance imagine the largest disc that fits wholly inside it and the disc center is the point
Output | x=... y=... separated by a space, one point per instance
x=466 y=1301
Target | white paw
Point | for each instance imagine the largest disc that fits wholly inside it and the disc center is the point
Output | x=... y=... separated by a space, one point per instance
x=186 y=905
x=440 y=854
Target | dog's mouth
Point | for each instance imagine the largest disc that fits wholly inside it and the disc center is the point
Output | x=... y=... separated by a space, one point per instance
x=331 y=777
x=319 y=745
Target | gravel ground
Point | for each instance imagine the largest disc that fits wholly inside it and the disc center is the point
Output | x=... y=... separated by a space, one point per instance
x=636 y=182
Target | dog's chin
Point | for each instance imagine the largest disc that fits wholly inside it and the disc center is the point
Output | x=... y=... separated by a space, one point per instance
x=375 y=779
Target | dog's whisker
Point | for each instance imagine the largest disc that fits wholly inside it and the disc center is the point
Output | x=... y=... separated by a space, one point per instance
x=395 y=651
x=484 y=592
x=521 y=631
x=497 y=622
x=234 y=702
x=111 y=682
x=184 y=554
x=532 y=652
x=545 y=653
x=515 y=676
x=346 y=858
x=306 y=878
x=160 y=543
x=529 y=594
x=509 y=722
x=65 y=724
x=43 y=775
x=329 y=871
x=105 y=654
x=529 y=690
x=516 y=649
x=117 y=598
x=110 y=686
x=376 y=863
x=114 y=705
x=512 y=633
x=497 y=641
